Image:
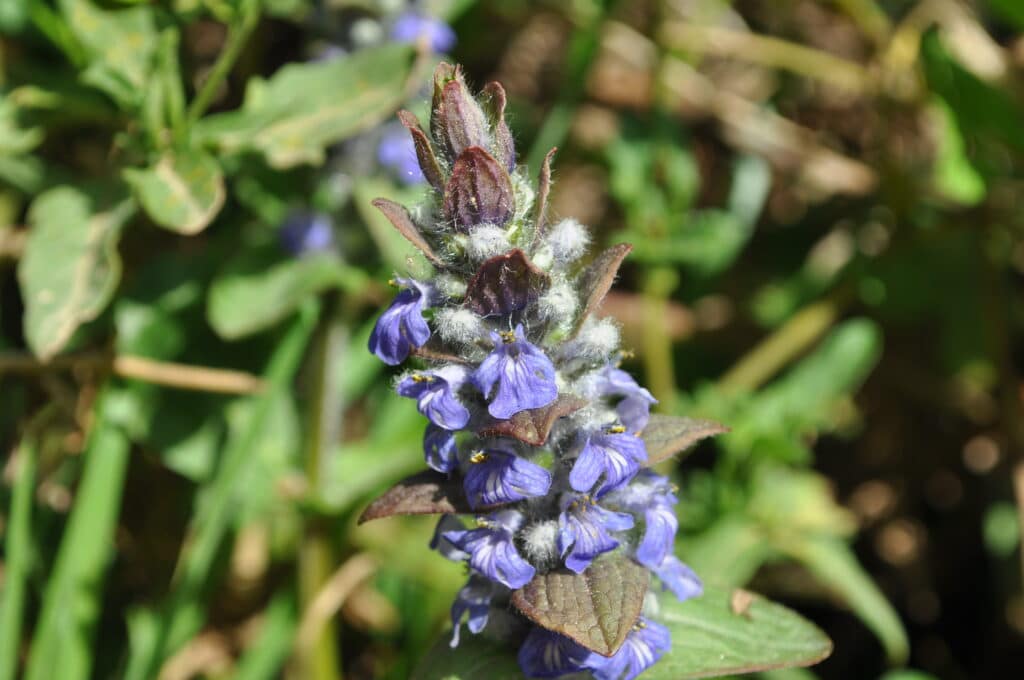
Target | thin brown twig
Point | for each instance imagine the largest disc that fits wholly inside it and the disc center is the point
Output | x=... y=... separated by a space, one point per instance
x=331 y=597
x=166 y=373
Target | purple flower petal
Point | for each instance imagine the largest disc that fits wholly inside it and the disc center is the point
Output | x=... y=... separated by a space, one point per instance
x=614 y=454
x=435 y=395
x=635 y=407
x=583 y=528
x=397 y=151
x=524 y=376
x=411 y=27
x=439 y=449
x=495 y=477
x=645 y=644
x=306 y=233
x=442 y=545
x=548 y=655
x=402 y=328
x=678 y=578
x=492 y=551
x=475 y=598
x=650 y=495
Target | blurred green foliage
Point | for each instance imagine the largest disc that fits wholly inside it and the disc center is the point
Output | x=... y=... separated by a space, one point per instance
x=830 y=265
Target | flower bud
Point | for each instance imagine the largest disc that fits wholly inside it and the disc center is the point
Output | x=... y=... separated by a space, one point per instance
x=479 y=191
x=456 y=122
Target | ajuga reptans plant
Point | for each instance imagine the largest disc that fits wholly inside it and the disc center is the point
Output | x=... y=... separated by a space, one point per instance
x=535 y=437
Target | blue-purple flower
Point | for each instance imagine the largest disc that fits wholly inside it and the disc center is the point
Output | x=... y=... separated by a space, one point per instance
x=402 y=328
x=548 y=655
x=635 y=408
x=583 y=528
x=650 y=496
x=614 y=454
x=491 y=549
x=435 y=392
x=475 y=598
x=644 y=645
x=678 y=578
x=440 y=449
x=397 y=152
x=411 y=27
x=442 y=545
x=304 y=233
x=497 y=476
x=516 y=376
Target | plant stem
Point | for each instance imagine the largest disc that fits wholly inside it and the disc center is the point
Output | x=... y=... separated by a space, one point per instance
x=238 y=35
x=657 y=350
x=17 y=550
x=773 y=353
x=319 y=659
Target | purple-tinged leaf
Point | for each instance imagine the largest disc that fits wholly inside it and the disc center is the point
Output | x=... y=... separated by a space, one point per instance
x=597 y=279
x=506 y=283
x=425 y=493
x=543 y=189
x=494 y=108
x=456 y=120
x=665 y=436
x=479 y=191
x=429 y=166
x=534 y=425
x=402 y=221
x=596 y=609
x=434 y=350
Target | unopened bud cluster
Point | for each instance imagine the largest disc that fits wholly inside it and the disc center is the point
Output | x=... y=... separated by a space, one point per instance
x=528 y=411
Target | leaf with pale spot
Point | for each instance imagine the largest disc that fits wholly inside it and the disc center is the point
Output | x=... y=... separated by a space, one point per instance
x=182 y=192
x=70 y=267
x=597 y=608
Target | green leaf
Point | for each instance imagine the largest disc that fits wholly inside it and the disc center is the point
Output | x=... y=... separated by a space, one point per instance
x=70 y=267
x=729 y=552
x=182 y=192
x=954 y=175
x=709 y=638
x=261 y=287
x=707 y=242
x=119 y=46
x=63 y=645
x=834 y=564
x=476 y=658
x=597 y=608
x=1010 y=10
x=304 y=108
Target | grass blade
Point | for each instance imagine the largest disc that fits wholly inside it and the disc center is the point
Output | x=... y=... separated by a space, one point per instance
x=62 y=646
x=17 y=558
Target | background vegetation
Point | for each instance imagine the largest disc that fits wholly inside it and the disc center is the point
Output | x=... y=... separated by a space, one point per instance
x=825 y=199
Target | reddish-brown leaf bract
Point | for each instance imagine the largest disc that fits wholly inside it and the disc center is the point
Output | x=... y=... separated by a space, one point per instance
x=666 y=436
x=597 y=279
x=456 y=121
x=597 y=608
x=425 y=493
x=402 y=221
x=424 y=152
x=494 y=108
x=534 y=425
x=479 y=191
x=543 y=189
x=506 y=283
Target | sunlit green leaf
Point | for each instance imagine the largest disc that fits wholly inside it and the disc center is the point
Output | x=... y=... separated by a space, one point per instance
x=261 y=287
x=303 y=108
x=70 y=267
x=182 y=191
